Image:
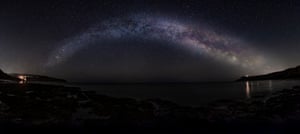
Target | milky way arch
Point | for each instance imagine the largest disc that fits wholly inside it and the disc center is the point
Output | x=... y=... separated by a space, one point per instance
x=199 y=39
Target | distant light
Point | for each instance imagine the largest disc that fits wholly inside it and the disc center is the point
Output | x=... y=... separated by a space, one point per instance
x=23 y=79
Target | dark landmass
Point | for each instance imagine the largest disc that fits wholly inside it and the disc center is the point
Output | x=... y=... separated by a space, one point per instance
x=40 y=78
x=291 y=73
x=4 y=76
x=49 y=108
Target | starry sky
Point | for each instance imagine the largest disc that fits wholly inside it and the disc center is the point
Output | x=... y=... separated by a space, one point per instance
x=149 y=40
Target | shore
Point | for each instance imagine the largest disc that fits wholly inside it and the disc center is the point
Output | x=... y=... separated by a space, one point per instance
x=34 y=106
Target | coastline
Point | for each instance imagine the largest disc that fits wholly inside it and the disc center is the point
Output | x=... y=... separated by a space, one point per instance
x=39 y=106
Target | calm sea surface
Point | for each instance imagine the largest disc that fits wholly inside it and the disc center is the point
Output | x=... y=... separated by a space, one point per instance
x=192 y=94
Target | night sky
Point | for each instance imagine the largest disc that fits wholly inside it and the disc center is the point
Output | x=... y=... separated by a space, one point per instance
x=149 y=40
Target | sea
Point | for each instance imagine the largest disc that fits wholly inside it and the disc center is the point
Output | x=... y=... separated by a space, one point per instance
x=192 y=94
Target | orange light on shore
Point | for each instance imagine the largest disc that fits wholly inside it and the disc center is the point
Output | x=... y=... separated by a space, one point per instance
x=23 y=79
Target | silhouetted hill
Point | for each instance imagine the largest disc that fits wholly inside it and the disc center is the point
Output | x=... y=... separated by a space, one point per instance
x=33 y=77
x=291 y=73
x=4 y=76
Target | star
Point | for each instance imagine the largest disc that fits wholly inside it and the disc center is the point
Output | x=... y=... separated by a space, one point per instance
x=197 y=38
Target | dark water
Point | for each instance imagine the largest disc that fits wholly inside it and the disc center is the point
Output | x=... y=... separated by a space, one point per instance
x=191 y=94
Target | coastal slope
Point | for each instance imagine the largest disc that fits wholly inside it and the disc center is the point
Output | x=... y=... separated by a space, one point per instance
x=4 y=76
x=290 y=73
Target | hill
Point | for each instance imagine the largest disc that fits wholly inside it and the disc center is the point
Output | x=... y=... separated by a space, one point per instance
x=290 y=73
x=4 y=76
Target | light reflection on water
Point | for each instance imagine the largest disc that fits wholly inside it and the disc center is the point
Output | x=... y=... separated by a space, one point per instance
x=264 y=88
x=270 y=85
x=192 y=94
x=248 y=90
x=253 y=88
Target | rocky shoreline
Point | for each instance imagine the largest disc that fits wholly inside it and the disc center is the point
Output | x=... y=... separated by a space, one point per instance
x=38 y=106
